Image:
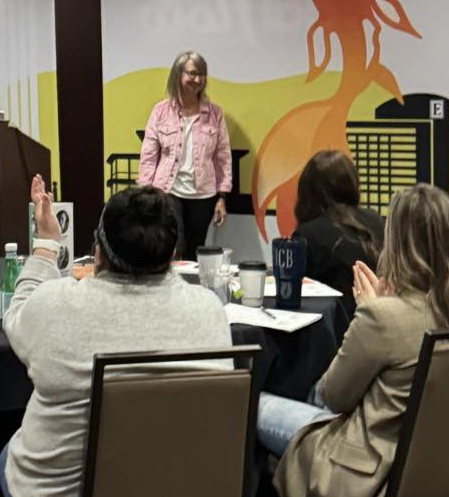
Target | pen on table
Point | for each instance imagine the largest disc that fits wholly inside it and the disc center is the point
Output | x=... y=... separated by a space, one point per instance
x=268 y=313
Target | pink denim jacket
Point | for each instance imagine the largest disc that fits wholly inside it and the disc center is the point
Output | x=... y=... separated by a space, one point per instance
x=162 y=146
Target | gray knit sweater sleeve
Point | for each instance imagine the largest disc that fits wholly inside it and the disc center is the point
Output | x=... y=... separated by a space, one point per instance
x=19 y=318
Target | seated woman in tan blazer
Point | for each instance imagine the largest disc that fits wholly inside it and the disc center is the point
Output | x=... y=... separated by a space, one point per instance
x=367 y=384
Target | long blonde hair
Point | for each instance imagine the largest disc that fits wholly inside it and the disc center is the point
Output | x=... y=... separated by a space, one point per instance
x=174 y=77
x=416 y=247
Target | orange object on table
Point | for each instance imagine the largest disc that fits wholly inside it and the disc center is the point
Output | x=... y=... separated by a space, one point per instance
x=80 y=271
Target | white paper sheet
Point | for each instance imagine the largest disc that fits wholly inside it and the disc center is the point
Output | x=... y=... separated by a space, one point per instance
x=191 y=267
x=185 y=267
x=282 y=320
x=310 y=288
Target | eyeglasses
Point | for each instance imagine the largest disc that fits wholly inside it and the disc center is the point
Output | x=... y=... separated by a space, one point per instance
x=194 y=74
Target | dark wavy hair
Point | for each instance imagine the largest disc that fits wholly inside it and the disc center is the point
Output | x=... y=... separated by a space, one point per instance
x=416 y=246
x=141 y=229
x=329 y=186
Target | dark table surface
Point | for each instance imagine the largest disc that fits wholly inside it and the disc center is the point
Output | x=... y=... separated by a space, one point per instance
x=15 y=386
x=291 y=364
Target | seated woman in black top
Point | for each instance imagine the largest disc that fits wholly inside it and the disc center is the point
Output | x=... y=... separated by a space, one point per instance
x=337 y=230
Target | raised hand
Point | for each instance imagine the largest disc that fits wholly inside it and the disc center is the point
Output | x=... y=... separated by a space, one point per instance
x=46 y=222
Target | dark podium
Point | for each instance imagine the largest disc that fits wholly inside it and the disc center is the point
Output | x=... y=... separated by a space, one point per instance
x=21 y=158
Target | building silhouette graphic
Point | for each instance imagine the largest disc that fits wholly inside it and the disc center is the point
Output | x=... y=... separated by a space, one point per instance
x=403 y=145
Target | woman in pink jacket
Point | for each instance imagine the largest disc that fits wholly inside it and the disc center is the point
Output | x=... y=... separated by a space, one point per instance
x=186 y=153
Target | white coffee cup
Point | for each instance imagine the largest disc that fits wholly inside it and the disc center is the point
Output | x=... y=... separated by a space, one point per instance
x=252 y=282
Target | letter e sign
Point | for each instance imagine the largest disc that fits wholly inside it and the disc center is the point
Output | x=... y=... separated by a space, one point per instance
x=436 y=109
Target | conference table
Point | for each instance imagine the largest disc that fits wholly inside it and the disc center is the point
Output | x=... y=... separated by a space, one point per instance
x=15 y=386
x=291 y=362
x=15 y=390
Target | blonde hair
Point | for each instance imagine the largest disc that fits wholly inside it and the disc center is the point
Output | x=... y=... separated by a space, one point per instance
x=174 y=77
x=416 y=246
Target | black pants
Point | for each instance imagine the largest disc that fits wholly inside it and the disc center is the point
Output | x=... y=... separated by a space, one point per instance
x=193 y=217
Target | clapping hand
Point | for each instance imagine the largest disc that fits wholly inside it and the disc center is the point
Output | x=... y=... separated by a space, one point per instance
x=46 y=221
x=367 y=285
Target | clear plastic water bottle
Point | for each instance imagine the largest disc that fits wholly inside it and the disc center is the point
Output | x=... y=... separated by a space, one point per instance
x=10 y=273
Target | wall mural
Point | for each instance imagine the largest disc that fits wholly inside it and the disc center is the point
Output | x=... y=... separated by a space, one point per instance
x=313 y=126
x=292 y=77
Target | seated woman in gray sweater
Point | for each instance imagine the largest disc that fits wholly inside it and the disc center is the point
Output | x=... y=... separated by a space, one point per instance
x=55 y=325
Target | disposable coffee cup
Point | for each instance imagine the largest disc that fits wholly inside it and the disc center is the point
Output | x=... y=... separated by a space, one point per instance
x=289 y=267
x=210 y=260
x=252 y=282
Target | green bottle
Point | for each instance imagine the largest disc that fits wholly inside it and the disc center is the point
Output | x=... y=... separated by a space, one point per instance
x=10 y=273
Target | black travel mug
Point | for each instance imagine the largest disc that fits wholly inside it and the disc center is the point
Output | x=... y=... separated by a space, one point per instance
x=289 y=267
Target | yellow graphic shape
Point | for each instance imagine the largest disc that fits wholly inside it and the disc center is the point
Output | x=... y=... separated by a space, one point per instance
x=48 y=119
x=251 y=110
x=127 y=103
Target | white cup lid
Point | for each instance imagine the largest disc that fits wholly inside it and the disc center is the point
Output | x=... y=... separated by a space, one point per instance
x=253 y=266
x=11 y=247
x=209 y=250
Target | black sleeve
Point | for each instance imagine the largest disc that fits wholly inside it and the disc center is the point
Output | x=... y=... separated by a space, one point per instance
x=314 y=253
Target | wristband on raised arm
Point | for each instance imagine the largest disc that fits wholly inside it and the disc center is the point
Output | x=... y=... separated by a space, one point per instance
x=46 y=243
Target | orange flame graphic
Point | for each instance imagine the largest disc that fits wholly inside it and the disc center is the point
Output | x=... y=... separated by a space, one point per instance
x=322 y=124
